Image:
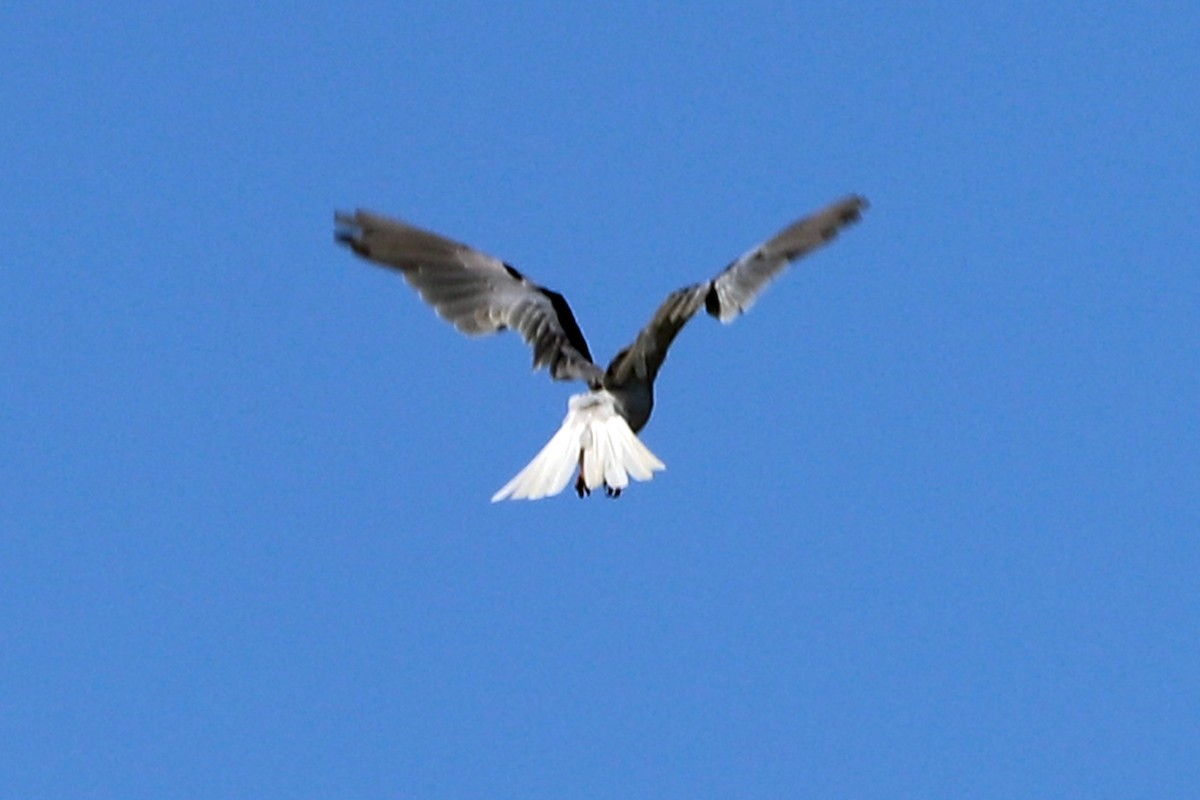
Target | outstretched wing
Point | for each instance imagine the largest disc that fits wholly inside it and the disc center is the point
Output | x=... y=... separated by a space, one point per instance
x=731 y=292
x=477 y=293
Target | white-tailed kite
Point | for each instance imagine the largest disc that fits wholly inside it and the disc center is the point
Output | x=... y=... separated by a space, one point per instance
x=480 y=294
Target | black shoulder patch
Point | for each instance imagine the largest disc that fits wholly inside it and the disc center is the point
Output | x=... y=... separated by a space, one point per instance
x=712 y=302
x=567 y=320
x=511 y=270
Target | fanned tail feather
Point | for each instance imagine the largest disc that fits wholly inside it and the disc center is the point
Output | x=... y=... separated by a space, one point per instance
x=594 y=437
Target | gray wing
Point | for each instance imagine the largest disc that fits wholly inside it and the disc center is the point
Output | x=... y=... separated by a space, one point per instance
x=479 y=294
x=731 y=292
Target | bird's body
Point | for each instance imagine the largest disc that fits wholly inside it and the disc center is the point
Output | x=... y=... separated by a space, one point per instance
x=480 y=294
x=633 y=400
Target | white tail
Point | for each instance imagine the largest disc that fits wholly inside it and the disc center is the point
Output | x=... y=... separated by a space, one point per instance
x=593 y=437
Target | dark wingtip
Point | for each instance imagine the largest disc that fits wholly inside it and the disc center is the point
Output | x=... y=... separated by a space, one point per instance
x=347 y=231
x=349 y=240
x=850 y=212
x=857 y=205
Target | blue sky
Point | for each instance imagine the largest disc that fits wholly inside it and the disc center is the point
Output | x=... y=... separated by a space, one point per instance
x=930 y=521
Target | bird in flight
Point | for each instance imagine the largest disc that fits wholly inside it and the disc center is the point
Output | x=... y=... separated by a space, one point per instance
x=480 y=294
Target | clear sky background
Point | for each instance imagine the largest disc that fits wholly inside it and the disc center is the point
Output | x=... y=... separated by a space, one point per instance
x=930 y=525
